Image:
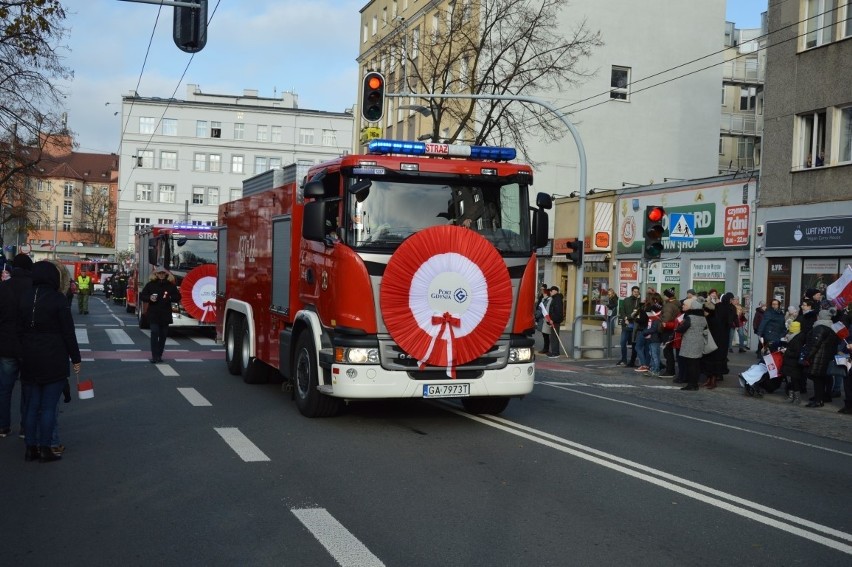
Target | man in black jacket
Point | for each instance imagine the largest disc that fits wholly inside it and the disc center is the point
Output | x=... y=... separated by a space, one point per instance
x=11 y=292
x=557 y=315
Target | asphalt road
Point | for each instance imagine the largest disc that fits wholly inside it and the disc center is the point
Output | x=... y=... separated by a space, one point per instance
x=183 y=464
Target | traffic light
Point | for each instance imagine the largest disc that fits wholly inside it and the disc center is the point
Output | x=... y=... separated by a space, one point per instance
x=575 y=256
x=373 y=99
x=654 y=230
x=190 y=26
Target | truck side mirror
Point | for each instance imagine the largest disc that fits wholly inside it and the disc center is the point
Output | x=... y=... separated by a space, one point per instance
x=314 y=190
x=539 y=228
x=313 y=220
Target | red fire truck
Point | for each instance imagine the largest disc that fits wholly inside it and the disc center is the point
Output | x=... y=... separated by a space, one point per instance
x=189 y=253
x=408 y=272
x=99 y=270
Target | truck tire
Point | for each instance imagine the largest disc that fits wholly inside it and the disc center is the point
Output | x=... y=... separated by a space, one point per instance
x=248 y=365
x=490 y=404
x=233 y=344
x=309 y=400
x=143 y=319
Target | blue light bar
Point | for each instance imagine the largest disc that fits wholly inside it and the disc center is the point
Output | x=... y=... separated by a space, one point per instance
x=198 y=227
x=445 y=150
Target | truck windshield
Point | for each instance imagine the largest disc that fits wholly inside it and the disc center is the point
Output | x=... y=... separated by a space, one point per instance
x=188 y=253
x=391 y=210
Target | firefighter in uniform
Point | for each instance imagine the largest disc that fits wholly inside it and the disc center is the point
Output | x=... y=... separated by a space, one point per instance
x=84 y=290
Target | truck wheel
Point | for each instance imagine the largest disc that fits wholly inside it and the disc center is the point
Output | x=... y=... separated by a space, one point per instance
x=233 y=344
x=309 y=400
x=248 y=365
x=490 y=404
x=143 y=319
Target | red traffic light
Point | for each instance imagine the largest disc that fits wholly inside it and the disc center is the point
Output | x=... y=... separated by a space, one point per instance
x=656 y=214
x=374 y=82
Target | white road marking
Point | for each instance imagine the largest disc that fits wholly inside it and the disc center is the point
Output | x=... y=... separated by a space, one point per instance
x=87 y=360
x=241 y=445
x=187 y=360
x=169 y=341
x=698 y=419
x=346 y=549
x=193 y=397
x=204 y=341
x=118 y=337
x=166 y=370
x=689 y=489
x=82 y=336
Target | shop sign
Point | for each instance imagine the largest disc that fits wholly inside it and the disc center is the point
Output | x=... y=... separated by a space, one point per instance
x=820 y=266
x=721 y=217
x=834 y=232
x=713 y=270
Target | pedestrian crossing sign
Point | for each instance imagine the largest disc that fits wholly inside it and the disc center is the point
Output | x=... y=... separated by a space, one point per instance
x=682 y=227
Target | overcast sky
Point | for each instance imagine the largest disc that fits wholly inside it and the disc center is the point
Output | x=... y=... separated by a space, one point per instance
x=306 y=46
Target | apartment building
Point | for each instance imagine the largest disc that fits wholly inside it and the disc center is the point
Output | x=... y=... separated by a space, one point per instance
x=71 y=202
x=804 y=217
x=181 y=158
x=742 y=98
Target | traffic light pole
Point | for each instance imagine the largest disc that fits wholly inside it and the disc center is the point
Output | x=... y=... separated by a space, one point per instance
x=577 y=331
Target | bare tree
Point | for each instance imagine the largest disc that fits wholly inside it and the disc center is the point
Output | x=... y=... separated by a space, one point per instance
x=501 y=47
x=30 y=100
x=97 y=211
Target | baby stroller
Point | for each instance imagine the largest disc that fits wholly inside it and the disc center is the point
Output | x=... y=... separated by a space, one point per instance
x=759 y=379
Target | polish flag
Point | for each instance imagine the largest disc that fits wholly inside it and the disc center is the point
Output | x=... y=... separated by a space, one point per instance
x=840 y=292
x=546 y=314
x=841 y=330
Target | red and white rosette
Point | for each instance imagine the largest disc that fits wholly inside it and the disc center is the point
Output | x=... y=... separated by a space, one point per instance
x=446 y=296
x=198 y=293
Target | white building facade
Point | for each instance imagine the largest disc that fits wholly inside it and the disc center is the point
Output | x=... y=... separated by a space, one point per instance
x=181 y=158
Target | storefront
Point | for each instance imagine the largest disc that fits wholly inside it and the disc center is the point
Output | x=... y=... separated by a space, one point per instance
x=803 y=253
x=719 y=255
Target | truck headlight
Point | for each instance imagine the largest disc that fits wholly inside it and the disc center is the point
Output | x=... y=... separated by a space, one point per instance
x=524 y=354
x=344 y=355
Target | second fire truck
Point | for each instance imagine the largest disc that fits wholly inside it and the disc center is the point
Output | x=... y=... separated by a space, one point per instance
x=408 y=272
x=189 y=253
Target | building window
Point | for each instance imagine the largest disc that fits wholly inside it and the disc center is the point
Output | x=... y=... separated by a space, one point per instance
x=215 y=129
x=201 y=129
x=262 y=133
x=619 y=83
x=329 y=138
x=819 y=22
x=845 y=135
x=165 y=221
x=274 y=163
x=69 y=189
x=375 y=25
x=88 y=190
x=140 y=223
x=237 y=164
x=167 y=193
x=145 y=158
x=721 y=146
x=147 y=124
x=198 y=195
x=42 y=186
x=260 y=164
x=200 y=162
x=415 y=43
x=748 y=96
x=745 y=151
x=68 y=208
x=302 y=167
x=215 y=162
x=276 y=135
x=212 y=195
x=811 y=140
x=306 y=136
x=66 y=226
x=364 y=34
x=846 y=27
x=239 y=131
x=168 y=160
x=169 y=127
x=384 y=16
x=143 y=191
x=235 y=193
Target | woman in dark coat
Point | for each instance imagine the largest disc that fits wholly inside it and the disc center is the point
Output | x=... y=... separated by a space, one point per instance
x=48 y=341
x=721 y=318
x=790 y=367
x=821 y=348
x=772 y=327
x=159 y=294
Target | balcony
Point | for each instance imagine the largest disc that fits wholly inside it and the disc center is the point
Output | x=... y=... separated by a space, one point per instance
x=741 y=124
x=743 y=71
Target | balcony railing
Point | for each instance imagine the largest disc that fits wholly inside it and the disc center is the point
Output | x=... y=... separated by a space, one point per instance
x=742 y=71
x=743 y=124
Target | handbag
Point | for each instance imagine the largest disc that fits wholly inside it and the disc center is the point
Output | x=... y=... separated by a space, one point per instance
x=709 y=343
